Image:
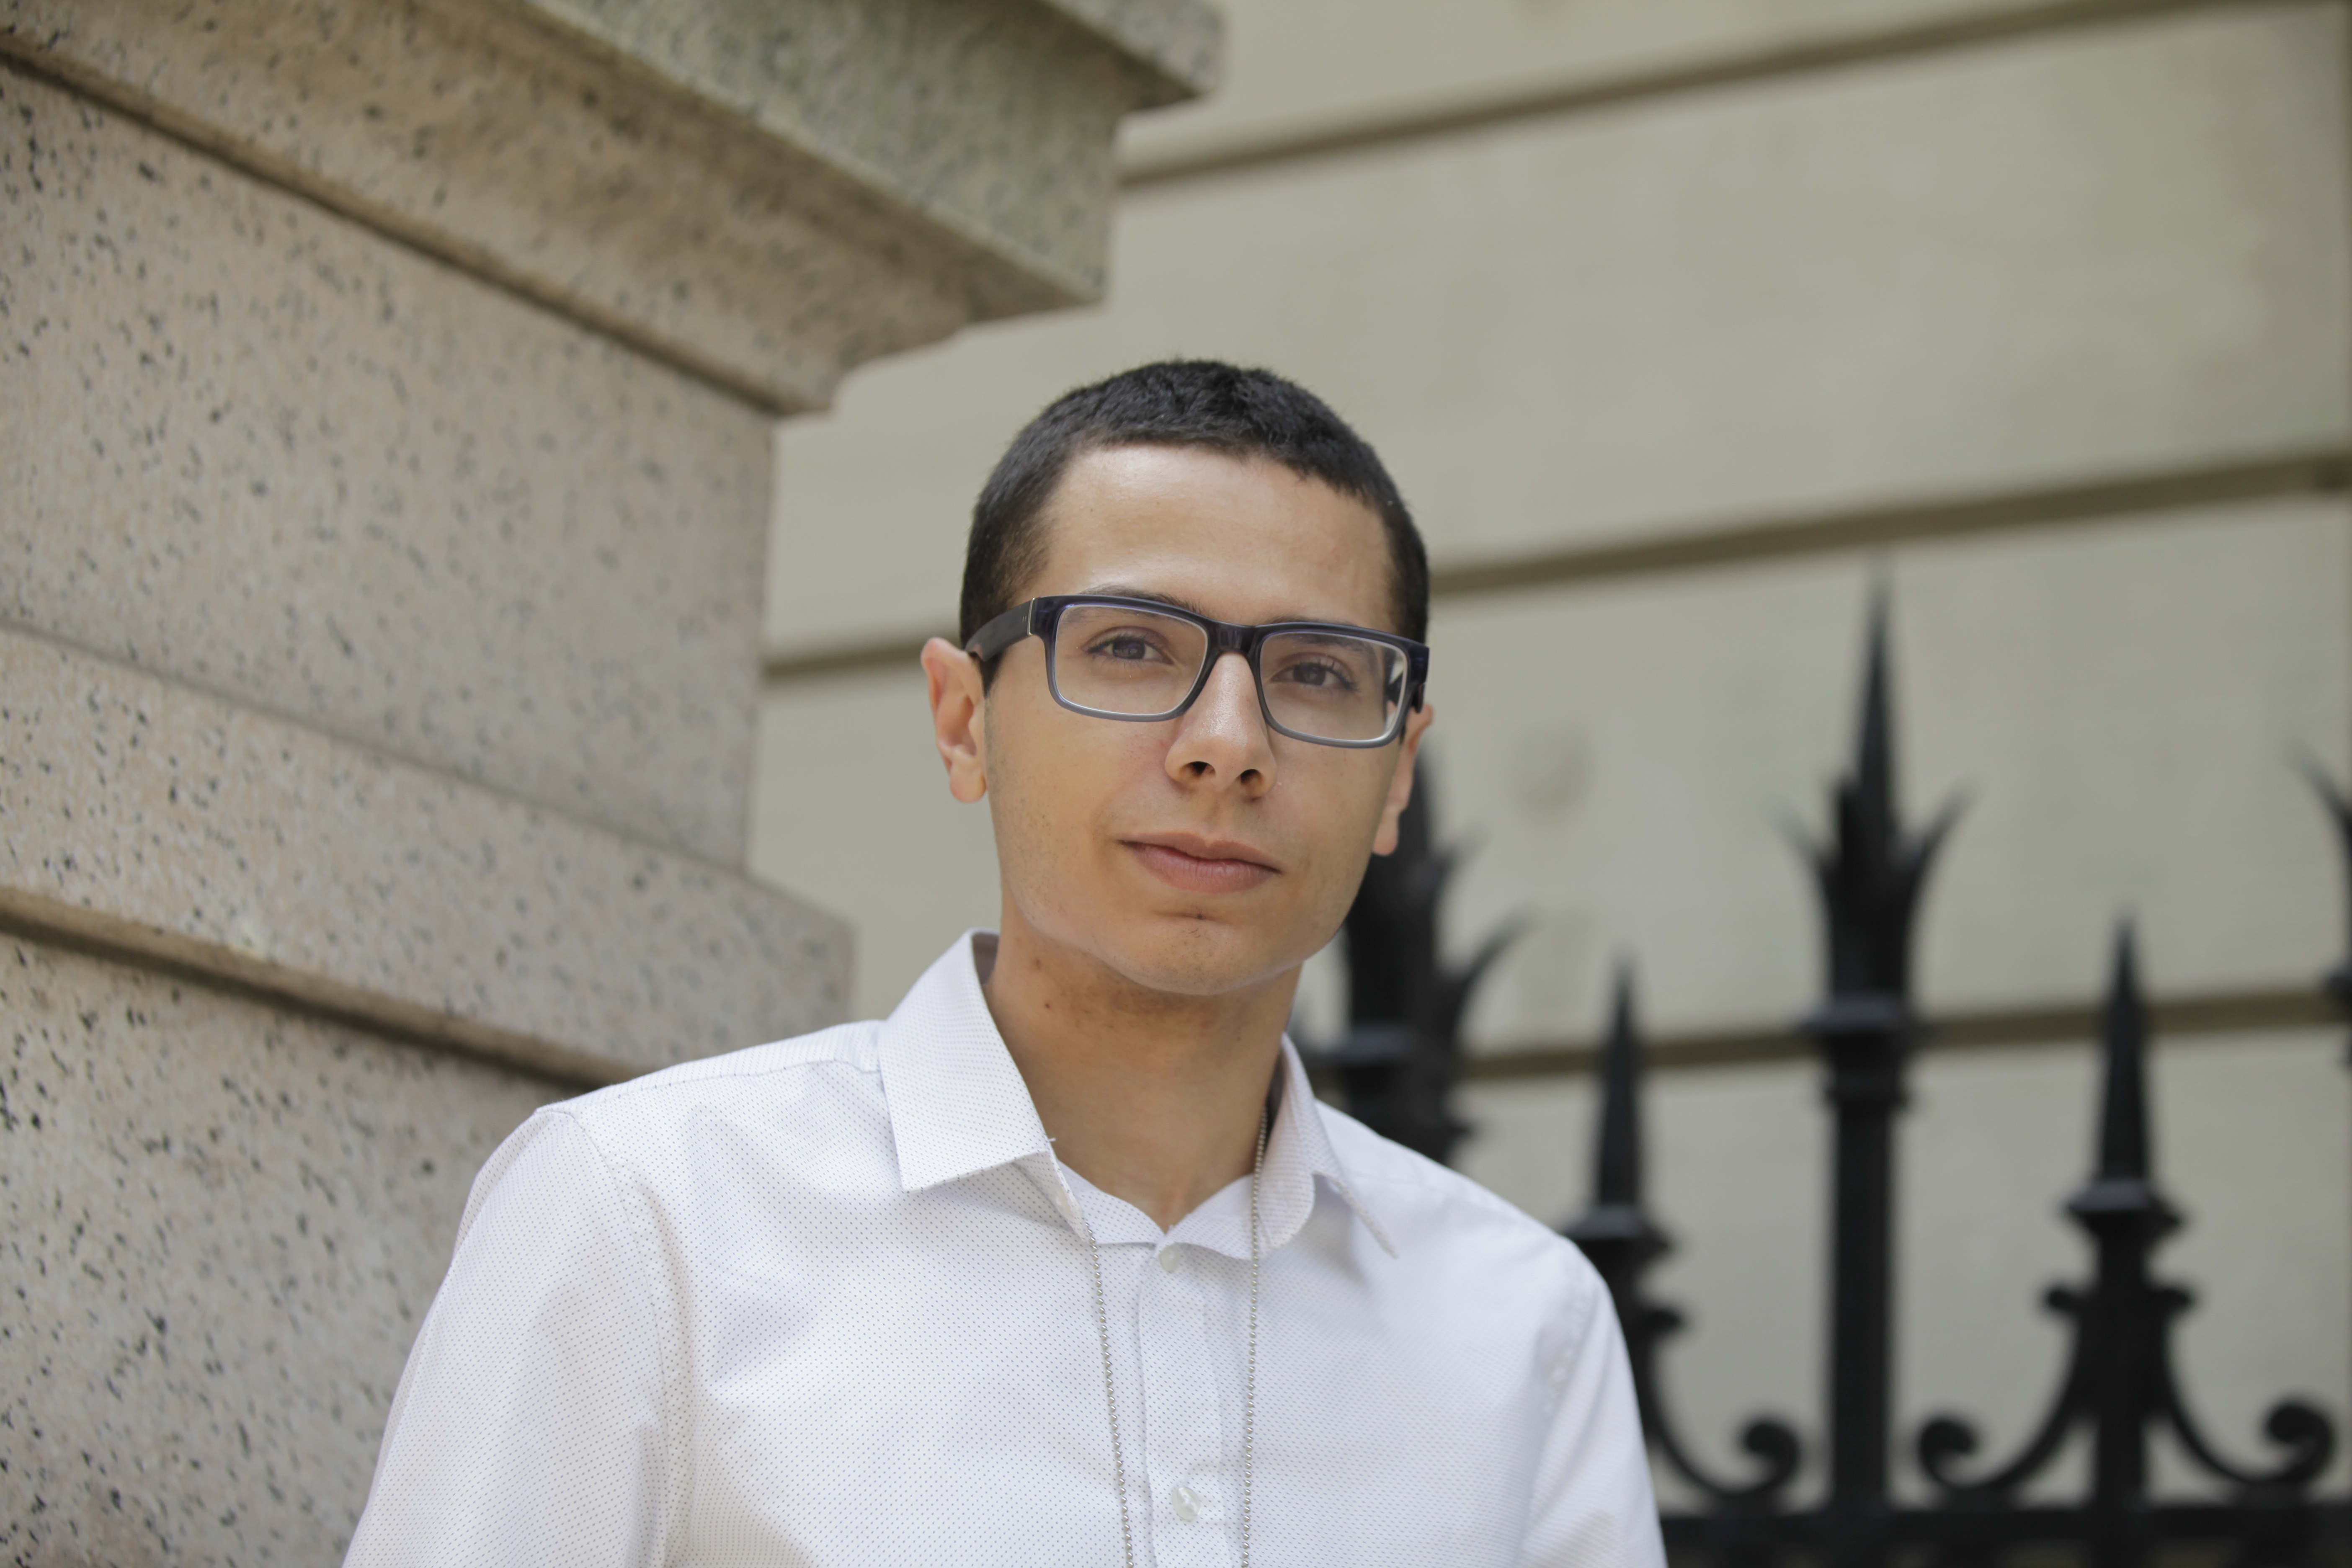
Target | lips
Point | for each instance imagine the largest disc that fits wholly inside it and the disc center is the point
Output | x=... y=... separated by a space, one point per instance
x=1196 y=865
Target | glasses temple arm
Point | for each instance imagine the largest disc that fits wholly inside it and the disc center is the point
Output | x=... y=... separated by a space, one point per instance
x=1002 y=632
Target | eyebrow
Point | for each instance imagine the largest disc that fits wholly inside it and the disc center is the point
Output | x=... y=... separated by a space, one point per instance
x=1126 y=591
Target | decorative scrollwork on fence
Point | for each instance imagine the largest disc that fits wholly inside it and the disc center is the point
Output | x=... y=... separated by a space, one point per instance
x=2120 y=1384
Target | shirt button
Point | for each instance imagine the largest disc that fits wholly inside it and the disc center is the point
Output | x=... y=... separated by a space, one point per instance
x=1168 y=1261
x=1186 y=1503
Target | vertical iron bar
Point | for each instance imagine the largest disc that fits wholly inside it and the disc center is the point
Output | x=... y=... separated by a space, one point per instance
x=1860 y=1372
x=1866 y=1041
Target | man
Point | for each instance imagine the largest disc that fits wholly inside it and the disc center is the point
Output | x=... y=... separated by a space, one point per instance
x=1061 y=1263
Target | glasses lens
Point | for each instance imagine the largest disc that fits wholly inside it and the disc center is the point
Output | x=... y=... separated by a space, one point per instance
x=1116 y=659
x=1330 y=685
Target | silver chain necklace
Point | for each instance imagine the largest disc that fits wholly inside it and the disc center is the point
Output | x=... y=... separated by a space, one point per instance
x=1249 y=1395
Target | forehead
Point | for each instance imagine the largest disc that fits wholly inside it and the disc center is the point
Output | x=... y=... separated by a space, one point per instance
x=1240 y=539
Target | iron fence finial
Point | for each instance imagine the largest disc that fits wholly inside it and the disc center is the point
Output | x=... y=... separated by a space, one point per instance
x=1618 y=1236
x=1871 y=872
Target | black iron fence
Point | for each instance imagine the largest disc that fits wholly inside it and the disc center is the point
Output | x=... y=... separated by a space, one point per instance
x=1397 y=1067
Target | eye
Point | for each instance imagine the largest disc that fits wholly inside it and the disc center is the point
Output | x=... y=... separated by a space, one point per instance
x=1126 y=646
x=1320 y=674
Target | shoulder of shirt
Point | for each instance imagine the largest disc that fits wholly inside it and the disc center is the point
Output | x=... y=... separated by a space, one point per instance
x=850 y=1047
x=1373 y=1161
x=1393 y=1178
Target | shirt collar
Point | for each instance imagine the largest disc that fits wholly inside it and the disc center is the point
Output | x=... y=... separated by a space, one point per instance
x=957 y=1105
x=1297 y=1151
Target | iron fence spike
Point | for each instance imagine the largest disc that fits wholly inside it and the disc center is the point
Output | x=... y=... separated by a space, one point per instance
x=1617 y=1170
x=2124 y=1137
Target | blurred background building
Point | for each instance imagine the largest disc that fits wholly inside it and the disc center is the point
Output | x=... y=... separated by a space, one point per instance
x=1685 y=325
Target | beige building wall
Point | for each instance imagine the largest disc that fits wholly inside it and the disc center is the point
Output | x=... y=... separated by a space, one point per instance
x=1687 y=327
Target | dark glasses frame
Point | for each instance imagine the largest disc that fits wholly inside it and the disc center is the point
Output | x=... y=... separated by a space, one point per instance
x=1042 y=618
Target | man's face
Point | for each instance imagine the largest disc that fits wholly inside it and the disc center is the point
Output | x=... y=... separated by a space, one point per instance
x=1202 y=854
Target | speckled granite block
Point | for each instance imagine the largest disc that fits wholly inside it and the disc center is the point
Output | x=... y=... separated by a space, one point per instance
x=766 y=193
x=219 y=1229
x=248 y=443
x=160 y=821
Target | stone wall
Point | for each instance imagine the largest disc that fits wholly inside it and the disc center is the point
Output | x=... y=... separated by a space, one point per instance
x=386 y=401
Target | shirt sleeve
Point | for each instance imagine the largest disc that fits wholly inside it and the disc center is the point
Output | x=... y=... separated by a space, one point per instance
x=533 y=1423
x=1593 y=1506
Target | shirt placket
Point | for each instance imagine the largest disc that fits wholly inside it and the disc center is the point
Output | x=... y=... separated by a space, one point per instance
x=1195 y=1480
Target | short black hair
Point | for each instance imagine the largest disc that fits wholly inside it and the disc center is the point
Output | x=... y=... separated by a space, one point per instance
x=1178 y=403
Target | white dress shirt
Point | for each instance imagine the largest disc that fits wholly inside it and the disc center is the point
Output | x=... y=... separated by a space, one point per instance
x=828 y=1302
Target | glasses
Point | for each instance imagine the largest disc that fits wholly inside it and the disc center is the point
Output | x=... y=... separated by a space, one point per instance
x=1141 y=660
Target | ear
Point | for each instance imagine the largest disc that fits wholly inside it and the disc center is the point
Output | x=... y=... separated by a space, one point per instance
x=959 y=717
x=1385 y=842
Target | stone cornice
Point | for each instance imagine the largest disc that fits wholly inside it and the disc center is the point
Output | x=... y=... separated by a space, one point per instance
x=761 y=194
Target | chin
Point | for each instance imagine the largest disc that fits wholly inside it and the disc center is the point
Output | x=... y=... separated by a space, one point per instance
x=1188 y=956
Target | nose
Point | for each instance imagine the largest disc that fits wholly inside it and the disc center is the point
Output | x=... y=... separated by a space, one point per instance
x=1223 y=738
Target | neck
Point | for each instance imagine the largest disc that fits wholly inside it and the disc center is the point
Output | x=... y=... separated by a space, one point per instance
x=1155 y=1099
